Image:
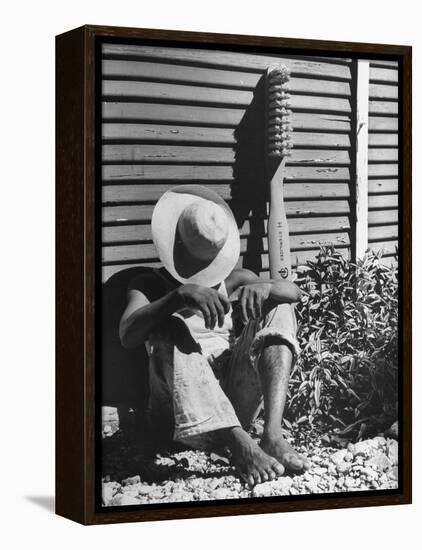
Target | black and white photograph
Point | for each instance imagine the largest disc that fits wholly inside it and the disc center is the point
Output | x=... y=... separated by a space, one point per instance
x=250 y=274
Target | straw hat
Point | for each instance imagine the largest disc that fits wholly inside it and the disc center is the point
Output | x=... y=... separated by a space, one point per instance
x=196 y=235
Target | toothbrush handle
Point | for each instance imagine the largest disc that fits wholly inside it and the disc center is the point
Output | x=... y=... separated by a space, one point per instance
x=278 y=230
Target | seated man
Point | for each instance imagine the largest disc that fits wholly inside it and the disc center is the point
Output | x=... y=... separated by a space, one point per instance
x=221 y=341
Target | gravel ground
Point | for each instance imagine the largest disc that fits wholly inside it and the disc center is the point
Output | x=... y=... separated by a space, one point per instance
x=186 y=475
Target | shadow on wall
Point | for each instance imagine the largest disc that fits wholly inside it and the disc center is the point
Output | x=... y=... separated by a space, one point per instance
x=249 y=191
x=124 y=373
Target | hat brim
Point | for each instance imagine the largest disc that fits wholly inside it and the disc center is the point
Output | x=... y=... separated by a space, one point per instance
x=164 y=229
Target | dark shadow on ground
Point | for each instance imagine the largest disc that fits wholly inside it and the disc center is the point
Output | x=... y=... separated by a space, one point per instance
x=46 y=502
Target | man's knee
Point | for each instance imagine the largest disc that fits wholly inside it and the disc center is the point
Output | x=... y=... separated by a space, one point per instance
x=282 y=316
x=174 y=333
x=278 y=332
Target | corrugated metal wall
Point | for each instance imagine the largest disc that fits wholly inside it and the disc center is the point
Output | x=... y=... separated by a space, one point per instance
x=173 y=116
x=383 y=158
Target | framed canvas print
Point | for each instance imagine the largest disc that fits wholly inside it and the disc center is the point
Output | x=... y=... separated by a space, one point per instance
x=233 y=274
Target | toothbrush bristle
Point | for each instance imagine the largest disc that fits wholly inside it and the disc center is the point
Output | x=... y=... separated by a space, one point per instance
x=278 y=113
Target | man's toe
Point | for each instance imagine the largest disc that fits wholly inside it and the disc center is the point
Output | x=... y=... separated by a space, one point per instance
x=250 y=480
x=264 y=475
x=278 y=468
x=294 y=462
x=272 y=473
x=257 y=477
x=306 y=464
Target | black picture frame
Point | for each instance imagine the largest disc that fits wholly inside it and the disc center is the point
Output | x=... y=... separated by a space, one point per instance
x=78 y=284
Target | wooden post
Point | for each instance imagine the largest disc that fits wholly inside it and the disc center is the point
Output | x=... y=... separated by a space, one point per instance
x=361 y=161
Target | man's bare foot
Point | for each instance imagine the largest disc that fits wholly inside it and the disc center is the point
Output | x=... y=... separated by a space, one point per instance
x=279 y=448
x=252 y=463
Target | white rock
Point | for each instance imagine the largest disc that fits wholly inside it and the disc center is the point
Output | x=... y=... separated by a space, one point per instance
x=312 y=487
x=338 y=456
x=393 y=451
x=343 y=467
x=363 y=448
x=380 y=440
x=262 y=490
x=145 y=490
x=107 y=493
x=393 y=474
x=369 y=473
x=116 y=500
x=332 y=469
x=222 y=493
x=282 y=485
x=380 y=461
x=134 y=480
x=180 y=496
x=128 y=500
x=349 y=482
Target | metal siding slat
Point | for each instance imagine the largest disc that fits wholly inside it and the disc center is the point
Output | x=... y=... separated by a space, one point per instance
x=383 y=124
x=383 y=233
x=115 y=194
x=193 y=134
x=137 y=172
x=382 y=187
x=142 y=213
x=125 y=89
x=174 y=133
x=383 y=107
x=232 y=60
x=383 y=140
x=381 y=217
x=388 y=247
x=156 y=112
x=383 y=170
x=382 y=201
x=130 y=89
x=146 y=70
x=115 y=154
x=138 y=252
x=159 y=72
x=131 y=233
x=383 y=74
x=383 y=155
x=383 y=63
x=381 y=91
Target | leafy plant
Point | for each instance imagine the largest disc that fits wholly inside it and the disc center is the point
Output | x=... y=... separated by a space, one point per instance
x=348 y=332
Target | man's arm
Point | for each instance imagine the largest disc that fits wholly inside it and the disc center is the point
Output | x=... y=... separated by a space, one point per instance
x=141 y=315
x=254 y=296
x=280 y=291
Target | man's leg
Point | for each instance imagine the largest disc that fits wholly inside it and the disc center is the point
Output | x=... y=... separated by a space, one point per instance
x=185 y=390
x=274 y=368
x=259 y=374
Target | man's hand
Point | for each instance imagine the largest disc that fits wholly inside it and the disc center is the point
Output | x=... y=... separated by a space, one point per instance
x=251 y=299
x=208 y=301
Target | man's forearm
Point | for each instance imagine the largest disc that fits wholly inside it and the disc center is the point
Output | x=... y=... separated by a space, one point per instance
x=135 y=329
x=284 y=292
